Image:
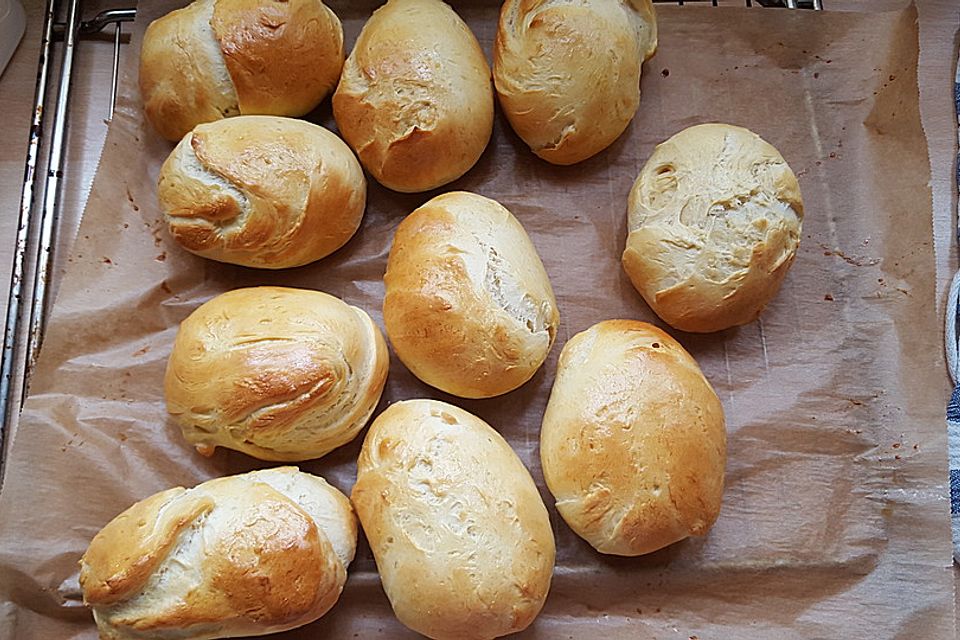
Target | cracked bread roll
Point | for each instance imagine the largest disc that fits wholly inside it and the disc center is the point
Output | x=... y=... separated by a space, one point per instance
x=261 y=191
x=244 y=555
x=219 y=58
x=459 y=532
x=277 y=373
x=468 y=305
x=568 y=73
x=415 y=99
x=714 y=224
x=633 y=443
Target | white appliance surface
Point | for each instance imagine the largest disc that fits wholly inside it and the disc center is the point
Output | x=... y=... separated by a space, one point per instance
x=13 y=21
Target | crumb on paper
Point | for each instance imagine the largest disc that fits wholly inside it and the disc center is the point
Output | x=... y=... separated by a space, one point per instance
x=141 y=351
x=856 y=261
x=132 y=201
x=106 y=260
x=828 y=297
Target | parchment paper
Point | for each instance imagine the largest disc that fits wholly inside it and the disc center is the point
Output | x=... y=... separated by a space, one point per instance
x=835 y=519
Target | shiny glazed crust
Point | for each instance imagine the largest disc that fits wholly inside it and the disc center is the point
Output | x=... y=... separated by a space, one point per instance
x=468 y=305
x=461 y=537
x=278 y=373
x=415 y=99
x=243 y=555
x=568 y=73
x=633 y=443
x=219 y=58
x=262 y=191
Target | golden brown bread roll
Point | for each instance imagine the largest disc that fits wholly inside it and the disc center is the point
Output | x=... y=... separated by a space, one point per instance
x=461 y=537
x=280 y=374
x=261 y=191
x=415 y=99
x=633 y=444
x=219 y=58
x=243 y=555
x=714 y=225
x=468 y=306
x=568 y=73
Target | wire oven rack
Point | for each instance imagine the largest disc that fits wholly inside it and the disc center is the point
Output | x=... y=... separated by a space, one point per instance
x=38 y=226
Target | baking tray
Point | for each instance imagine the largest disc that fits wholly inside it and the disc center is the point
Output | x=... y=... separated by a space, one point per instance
x=834 y=523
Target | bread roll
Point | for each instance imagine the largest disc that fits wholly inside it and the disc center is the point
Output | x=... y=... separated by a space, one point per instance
x=219 y=58
x=457 y=527
x=415 y=99
x=468 y=306
x=714 y=224
x=280 y=374
x=568 y=73
x=633 y=443
x=244 y=555
x=260 y=191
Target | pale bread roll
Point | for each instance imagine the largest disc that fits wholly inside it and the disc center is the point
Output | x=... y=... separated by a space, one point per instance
x=219 y=58
x=633 y=443
x=277 y=373
x=461 y=537
x=415 y=99
x=568 y=73
x=714 y=225
x=468 y=305
x=262 y=191
x=244 y=555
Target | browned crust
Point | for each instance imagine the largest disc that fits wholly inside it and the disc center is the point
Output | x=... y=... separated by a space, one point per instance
x=124 y=554
x=633 y=443
x=284 y=56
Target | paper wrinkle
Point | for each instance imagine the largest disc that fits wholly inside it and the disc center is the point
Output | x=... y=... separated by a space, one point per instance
x=835 y=518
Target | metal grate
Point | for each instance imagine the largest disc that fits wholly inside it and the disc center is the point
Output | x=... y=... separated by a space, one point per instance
x=36 y=237
x=787 y=4
x=33 y=256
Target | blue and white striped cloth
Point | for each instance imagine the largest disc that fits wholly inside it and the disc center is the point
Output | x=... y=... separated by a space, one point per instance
x=953 y=436
x=953 y=408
